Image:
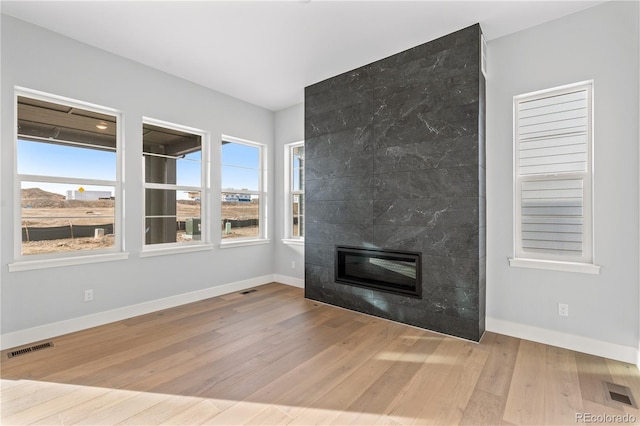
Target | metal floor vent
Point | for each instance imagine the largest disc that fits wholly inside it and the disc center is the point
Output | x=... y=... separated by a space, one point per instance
x=618 y=393
x=248 y=291
x=30 y=349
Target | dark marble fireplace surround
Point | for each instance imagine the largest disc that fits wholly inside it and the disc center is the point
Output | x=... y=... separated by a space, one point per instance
x=395 y=160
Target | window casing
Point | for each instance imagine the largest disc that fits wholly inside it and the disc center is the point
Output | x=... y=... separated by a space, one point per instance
x=175 y=185
x=243 y=195
x=553 y=162
x=68 y=180
x=294 y=193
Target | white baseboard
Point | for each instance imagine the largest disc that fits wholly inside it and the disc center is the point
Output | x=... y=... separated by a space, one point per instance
x=522 y=331
x=563 y=340
x=48 y=331
x=292 y=281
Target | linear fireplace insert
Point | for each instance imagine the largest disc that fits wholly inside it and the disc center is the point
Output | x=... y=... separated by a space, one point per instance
x=392 y=271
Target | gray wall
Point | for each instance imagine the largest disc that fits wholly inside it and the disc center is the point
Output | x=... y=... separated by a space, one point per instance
x=38 y=59
x=289 y=128
x=394 y=160
x=600 y=43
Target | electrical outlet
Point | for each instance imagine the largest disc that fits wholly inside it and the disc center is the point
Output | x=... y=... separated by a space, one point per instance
x=563 y=309
x=88 y=295
x=293 y=264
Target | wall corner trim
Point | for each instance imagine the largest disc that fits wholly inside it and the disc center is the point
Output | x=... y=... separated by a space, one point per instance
x=572 y=342
x=48 y=331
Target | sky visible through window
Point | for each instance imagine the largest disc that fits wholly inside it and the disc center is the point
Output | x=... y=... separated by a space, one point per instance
x=241 y=166
x=36 y=158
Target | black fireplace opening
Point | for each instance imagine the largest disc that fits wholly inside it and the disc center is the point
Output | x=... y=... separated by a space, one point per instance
x=397 y=272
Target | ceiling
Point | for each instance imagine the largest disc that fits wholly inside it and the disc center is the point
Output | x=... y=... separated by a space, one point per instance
x=266 y=52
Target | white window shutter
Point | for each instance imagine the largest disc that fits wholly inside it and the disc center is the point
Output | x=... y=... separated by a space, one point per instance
x=553 y=174
x=553 y=216
x=552 y=134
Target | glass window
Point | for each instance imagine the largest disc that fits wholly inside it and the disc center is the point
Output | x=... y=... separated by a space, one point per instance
x=294 y=226
x=243 y=194
x=68 y=177
x=553 y=174
x=174 y=184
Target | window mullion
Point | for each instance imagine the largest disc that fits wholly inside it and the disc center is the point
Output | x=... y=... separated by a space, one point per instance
x=66 y=180
x=172 y=187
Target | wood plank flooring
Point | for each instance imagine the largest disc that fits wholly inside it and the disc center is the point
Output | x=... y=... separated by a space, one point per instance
x=272 y=357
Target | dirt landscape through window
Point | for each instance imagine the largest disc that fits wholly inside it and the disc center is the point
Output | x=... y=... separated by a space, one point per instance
x=42 y=209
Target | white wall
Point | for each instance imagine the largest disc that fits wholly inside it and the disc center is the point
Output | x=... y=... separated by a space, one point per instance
x=289 y=128
x=39 y=59
x=600 y=43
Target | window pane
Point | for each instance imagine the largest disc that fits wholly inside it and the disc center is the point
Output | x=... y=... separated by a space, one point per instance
x=298 y=168
x=240 y=216
x=237 y=178
x=297 y=214
x=236 y=154
x=64 y=124
x=172 y=156
x=552 y=213
x=240 y=166
x=50 y=159
x=190 y=170
x=65 y=141
x=172 y=216
x=295 y=227
x=241 y=171
x=64 y=217
x=160 y=230
x=189 y=215
x=160 y=202
x=553 y=134
x=175 y=171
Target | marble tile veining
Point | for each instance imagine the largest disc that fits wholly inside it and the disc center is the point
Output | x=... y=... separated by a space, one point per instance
x=395 y=160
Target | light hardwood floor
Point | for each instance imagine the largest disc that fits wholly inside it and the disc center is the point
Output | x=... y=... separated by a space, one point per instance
x=272 y=357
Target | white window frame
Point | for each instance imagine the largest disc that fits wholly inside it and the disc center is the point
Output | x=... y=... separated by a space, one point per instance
x=289 y=238
x=49 y=260
x=263 y=234
x=205 y=234
x=523 y=258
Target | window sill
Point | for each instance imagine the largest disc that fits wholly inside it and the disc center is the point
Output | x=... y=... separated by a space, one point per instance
x=585 y=268
x=242 y=243
x=293 y=241
x=161 y=251
x=28 y=265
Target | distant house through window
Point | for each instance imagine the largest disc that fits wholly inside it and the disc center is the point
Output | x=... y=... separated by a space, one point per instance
x=243 y=190
x=68 y=175
x=174 y=176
